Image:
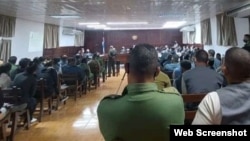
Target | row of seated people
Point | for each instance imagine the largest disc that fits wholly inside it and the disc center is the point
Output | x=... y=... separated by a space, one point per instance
x=28 y=74
x=153 y=111
x=199 y=78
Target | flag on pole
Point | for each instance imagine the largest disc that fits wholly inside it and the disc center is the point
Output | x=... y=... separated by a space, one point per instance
x=103 y=44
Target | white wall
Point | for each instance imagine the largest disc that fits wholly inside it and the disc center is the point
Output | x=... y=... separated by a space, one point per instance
x=66 y=40
x=241 y=25
x=20 y=42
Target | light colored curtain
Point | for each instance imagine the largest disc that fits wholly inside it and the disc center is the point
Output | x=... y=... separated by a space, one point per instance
x=191 y=37
x=5 y=49
x=51 y=36
x=185 y=37
x=206 y=36
x=79 y=39
x=226 y=33
x=7 y=26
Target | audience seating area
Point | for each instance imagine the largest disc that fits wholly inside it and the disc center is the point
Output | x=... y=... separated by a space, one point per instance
x=68 y=85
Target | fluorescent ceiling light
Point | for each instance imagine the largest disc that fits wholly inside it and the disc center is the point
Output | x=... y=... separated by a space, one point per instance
x=126 y=23
x=90 y=23
x=133 y=28
x=174 y=24
x=98 y=26
x=65 y=17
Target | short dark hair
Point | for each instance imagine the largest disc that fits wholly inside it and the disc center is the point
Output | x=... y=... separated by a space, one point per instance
x=71 y=61
x=56 y=60
x=84 y=60
x=5 y=68
x=31 y=68
x=247 y=35
x=143 y=60
x=185 y=64
x=201 y=56
x=211 y=52
x=23 y=63
x=12 y=59
x=237 y=62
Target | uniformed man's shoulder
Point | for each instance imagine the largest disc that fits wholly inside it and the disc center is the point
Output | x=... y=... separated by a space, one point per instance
x=112 y=97
x=170 y=90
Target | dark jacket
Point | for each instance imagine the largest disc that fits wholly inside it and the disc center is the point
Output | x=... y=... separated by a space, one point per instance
x=27 y=83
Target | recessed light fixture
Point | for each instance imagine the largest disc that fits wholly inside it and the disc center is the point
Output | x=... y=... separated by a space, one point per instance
x=89 y=23
x=174 y=24
x=65 y=16
x=126 y=23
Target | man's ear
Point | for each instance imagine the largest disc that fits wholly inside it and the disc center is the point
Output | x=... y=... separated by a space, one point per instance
x=224 y=70
x=127 y=67
x=157 y=71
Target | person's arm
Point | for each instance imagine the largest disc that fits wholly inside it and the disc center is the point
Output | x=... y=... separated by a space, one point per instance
x=33 y=87
x=183 y=86
x=209 y=110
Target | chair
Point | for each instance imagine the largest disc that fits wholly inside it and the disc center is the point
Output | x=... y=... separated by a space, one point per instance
x=5 y=133
x=62 y=92
x=42 y=98
x=191 y=98
x=12 y=96
x=73 y=83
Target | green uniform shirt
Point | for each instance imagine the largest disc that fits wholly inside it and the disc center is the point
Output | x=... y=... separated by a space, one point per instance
x=142 y=113
x=162 y=81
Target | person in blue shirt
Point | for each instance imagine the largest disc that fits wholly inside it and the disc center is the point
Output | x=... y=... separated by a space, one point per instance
x=72 y=68
x=175 y=63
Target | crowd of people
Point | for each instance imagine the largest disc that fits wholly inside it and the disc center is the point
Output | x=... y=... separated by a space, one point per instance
x=26 y=74
x=145 y=111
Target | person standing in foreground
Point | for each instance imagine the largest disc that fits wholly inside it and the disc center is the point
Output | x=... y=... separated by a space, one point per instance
x=231 y=104
x=142 y=112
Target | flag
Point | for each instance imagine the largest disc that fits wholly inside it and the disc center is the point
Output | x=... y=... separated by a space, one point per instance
x=103 y=44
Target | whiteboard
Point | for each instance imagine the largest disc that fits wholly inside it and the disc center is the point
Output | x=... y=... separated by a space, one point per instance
x=35 y=42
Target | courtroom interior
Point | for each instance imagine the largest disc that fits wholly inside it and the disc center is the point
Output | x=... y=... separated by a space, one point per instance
x=121 y=70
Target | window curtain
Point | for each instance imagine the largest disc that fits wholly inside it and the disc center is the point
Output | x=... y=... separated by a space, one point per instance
x=51 y=36
x=79 y=39
x=7 y=26
x=5 y=49
x=191 y=37
x=226 y=33
x=185 y=37
x=206 y=37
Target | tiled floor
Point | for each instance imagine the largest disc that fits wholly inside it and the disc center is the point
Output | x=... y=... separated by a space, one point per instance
x=75 y=121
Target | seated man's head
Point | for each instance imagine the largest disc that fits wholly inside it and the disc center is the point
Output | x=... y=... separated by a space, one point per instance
x=246 y=38
x=5 y=68
x=201 y=58
x=236 y=66
x=12 y=59
x=211 y=53
x=185 y=65
x=31 y=67
x=175 y=59
x=211 y=63
x=143 y=64
x=71 y=61
x=23 y=63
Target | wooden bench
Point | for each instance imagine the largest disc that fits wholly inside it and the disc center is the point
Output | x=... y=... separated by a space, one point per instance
x=191 y=98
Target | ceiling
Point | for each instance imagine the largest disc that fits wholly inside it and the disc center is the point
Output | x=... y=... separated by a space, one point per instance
x=155 y=12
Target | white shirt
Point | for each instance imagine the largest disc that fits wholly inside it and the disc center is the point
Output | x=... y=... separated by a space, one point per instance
x=209 y=110
x=5 y=80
